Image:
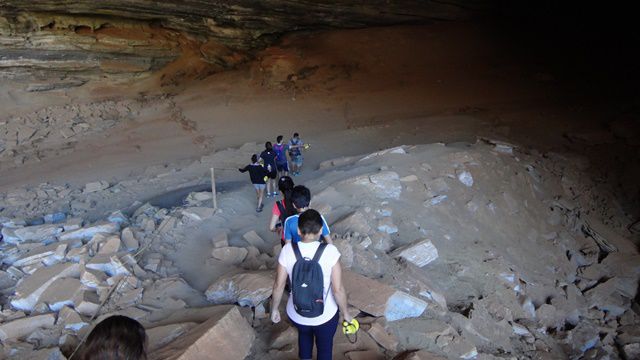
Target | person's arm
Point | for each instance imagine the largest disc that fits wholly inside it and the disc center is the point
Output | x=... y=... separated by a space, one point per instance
x=287 y=232
x=339 y=292
x=244 y=169
x=327 y=238
x=274 y=221
x=278 y=289
x=326 y=234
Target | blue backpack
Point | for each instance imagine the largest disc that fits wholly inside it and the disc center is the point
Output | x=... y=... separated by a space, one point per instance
x=281 y=158
x=307 y=283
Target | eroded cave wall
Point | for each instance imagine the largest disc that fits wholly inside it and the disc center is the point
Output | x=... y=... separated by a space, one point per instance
x=66 y=43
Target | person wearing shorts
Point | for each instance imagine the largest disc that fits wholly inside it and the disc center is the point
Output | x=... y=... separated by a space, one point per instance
x=282 y=165
x=257 y=173
x=295 y=153
x=269 y=158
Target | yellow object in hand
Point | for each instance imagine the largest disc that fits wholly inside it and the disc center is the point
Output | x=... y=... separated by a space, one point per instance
x=349 y=328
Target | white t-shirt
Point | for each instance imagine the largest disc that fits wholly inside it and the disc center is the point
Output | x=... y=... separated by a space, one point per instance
x=329 y=257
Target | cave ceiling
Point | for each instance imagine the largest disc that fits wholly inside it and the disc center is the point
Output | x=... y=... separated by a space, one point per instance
x=73 y=41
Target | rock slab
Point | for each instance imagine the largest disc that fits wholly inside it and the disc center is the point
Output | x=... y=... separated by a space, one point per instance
x=379 y=299
x=225 y=336
x=419 y=253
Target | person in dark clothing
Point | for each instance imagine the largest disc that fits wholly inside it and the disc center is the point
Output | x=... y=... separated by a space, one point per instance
x=282 y=209
x=258 y=174
x=269 y=158
x=281 y=157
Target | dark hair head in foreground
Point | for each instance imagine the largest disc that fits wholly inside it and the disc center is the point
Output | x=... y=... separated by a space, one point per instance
x=310 y=222
x=116 y=338
x=301 y=197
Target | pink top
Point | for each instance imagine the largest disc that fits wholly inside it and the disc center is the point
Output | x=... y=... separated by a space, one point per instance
x=276 y=211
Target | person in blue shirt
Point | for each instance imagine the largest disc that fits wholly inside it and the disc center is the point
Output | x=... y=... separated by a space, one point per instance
x=295 y=147
x=300 y=199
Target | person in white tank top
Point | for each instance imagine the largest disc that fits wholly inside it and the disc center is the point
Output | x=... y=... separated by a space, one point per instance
x=323 y=327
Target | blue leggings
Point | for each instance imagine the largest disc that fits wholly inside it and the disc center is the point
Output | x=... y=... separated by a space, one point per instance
x=323 y=336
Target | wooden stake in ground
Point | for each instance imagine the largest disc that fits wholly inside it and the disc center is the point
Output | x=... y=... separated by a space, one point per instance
x=213 y=190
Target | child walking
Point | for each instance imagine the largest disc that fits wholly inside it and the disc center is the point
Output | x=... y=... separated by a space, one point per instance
x=257 y=173
x=282 y=209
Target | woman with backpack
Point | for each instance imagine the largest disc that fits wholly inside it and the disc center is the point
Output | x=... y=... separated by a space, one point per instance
x=317 y=292
x=282 y=209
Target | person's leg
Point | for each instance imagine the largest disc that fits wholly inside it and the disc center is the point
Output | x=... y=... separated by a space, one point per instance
x=260 y=197
x=324 y=338
x=305 y=341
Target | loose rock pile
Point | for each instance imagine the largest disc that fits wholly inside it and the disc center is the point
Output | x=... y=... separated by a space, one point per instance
x=476 y=252
x=31 y=136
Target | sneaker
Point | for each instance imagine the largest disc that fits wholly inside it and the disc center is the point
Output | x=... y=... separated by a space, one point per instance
x=275 y=194
x=259 y=208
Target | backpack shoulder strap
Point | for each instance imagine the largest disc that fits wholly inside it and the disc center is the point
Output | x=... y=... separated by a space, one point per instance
x=283 y=211
x=296 y=250
x=319 y=252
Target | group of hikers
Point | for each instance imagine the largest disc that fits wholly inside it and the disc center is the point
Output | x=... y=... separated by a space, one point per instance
x=308 y=265
x=308 y=269
x=272 y=164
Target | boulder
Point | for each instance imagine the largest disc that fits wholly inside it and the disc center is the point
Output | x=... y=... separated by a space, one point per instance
x=465 y=178
x=86 y=303
x=419 y=253
x=354 y=222
x=129 y=240
x=31 y=288
x=254 y=239
x=246 y=289
x=70 y=319
x=162 y=335
x=86 y=233
x=37 y=233
x=583 y=337
x=378 y=299
x=225 y=336
x=607 y=297
x=21 y=327
x=61 y=293
x=382 y=337
x=47 y=255
x=631 y=351
x=95 y=186
x=92 y=278
x=220 y=240
x=386 y=185
x=421 y=333
x=198 y=213
x=230 y=255
x=110 y=245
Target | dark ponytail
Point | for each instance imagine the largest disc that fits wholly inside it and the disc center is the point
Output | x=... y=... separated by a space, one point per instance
x=285 y=185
